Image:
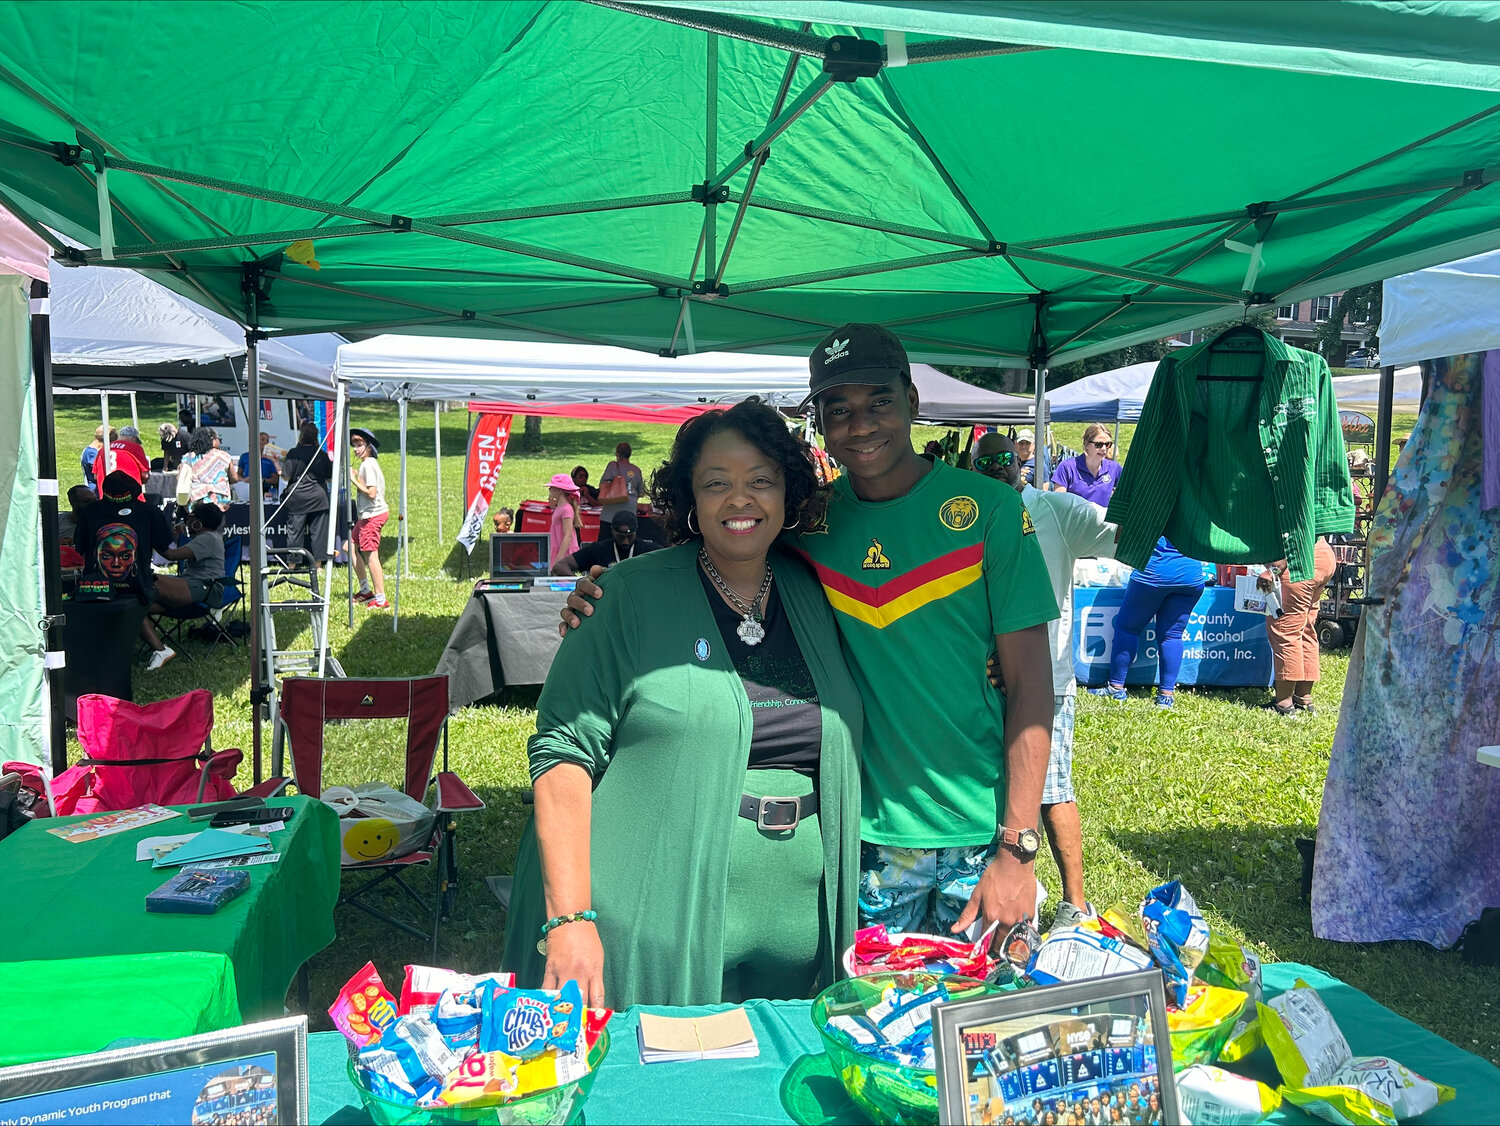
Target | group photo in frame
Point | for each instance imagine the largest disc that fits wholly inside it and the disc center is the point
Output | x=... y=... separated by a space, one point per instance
x=1096 y=1052
x=255 y=1075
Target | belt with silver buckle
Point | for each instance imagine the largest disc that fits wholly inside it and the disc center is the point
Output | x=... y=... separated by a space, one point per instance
x=777 y=813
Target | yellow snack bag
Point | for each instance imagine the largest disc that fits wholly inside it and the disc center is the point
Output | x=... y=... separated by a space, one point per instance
x=483 y=1079
x=1303 y=1037
x=1371 y=1091
x=1200 y=1029
x=1233 y=966
x=552 y=1069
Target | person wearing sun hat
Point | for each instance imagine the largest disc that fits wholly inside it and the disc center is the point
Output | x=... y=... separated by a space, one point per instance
x=562 y=495
x=371 y=513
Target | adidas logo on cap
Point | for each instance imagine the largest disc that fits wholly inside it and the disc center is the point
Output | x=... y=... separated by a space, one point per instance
x=837 y=350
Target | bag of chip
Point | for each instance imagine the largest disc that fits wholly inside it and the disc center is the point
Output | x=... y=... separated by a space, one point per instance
x=1370 y=1091
x=1177 y=934
x=1322 y=1075
x=1202 y=1026
x=1210 y=1096
x=1232 y=966
x=364 y=1008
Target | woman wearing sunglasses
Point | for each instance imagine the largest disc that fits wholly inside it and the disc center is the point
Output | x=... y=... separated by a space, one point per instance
x=1092 y=474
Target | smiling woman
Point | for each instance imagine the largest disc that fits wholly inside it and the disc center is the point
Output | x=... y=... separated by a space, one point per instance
x=703 y=727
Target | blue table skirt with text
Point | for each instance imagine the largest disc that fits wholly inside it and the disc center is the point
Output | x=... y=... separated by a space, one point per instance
x=1221 y=649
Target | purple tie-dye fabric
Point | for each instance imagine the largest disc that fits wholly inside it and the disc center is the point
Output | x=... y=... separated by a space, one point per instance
x=1491 y=435
x=1407 y=840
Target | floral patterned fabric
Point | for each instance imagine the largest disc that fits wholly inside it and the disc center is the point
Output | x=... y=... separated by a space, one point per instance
x=1408 y=844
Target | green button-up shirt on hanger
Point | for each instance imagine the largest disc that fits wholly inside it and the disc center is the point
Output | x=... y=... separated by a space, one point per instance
x=1244 y=466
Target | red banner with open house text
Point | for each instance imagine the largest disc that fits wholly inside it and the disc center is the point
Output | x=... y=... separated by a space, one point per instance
x=487 y=445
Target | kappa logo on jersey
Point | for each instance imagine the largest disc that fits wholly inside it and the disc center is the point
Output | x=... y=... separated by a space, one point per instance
x=959 y=513
x=1027 y=527
x=875 y=559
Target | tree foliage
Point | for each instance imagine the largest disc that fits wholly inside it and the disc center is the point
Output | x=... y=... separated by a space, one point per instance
x=1361 y=306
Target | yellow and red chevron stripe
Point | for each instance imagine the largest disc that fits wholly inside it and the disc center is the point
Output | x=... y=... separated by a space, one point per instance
x=889 y=602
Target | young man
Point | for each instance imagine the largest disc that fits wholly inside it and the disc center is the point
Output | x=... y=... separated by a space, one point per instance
x=928 y=568
x=370 y=512
x=116 y=536
x=202 y=559
x=1068 y=528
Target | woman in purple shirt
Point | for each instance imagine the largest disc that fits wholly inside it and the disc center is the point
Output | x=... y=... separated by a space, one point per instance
x=1092 y=474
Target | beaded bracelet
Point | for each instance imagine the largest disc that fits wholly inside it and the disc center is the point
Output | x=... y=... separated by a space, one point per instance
x=558 y=920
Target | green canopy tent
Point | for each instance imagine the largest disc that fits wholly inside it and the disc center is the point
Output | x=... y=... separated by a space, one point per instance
x=1011 y=184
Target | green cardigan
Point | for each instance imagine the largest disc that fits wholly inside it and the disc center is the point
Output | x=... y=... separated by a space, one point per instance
x=646 y=699
x=1238 y=472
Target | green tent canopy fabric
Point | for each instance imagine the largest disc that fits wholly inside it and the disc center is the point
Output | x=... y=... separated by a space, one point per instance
x=22 y=707
x=1011 y=184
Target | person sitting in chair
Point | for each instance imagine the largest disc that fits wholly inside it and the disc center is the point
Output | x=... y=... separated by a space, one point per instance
x=200 y=579
x=621 y=545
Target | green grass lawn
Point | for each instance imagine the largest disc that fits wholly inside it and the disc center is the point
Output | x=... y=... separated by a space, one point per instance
x=1214 y=792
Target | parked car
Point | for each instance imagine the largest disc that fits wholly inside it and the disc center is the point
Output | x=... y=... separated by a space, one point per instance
x=1363 y=358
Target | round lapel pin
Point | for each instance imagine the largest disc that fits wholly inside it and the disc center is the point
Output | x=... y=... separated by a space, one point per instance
x=700 y=649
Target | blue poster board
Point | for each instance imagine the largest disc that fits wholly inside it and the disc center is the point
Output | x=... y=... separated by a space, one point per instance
x=1221 y=649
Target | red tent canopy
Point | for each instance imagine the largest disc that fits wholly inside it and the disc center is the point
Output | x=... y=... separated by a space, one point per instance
x=599 y=412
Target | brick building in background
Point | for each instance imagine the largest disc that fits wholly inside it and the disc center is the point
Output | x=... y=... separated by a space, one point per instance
x=1298 y=323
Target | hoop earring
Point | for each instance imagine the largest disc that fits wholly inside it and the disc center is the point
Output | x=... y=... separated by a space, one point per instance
x=689 y=522
x=792 y=525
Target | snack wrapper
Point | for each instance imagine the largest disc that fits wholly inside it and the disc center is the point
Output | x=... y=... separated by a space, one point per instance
x=384 y=1075
x=419 y=1046
x=552 y=1069
x=876 y=951
x=524 y=1023
x=1177 y=935
x=481 y=1079
x=1232 y=966
x=1210 y=1096
x=594 y=1022
x=423 y=985
x=1303 y=1037
x=1201 y=1028
x=1081 y=953
x=364 y=1008
x=1371 y=1091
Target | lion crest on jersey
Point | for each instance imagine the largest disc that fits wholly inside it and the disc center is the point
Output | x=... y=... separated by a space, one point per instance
x=959 y=513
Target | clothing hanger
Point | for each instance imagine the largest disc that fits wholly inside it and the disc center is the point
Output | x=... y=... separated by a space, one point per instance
x=1243 y=329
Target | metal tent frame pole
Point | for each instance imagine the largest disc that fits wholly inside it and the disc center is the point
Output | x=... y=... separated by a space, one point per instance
x=1385 y=395
x=1041 y=476
x=339 y=437
x=437 y=454
x=405 y=545
x=106 y=453
x=262 y=677
x=400 y=568
x=135 y=418
x=47 y=488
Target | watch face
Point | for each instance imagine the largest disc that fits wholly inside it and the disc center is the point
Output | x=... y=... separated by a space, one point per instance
x=1030 y=840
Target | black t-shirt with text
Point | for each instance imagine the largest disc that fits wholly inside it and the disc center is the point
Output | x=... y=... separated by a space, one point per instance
x=787 y=729
x=604 y=553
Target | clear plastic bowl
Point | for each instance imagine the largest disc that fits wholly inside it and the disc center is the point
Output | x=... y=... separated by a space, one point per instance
x=889 y=1093
x=553 y=1107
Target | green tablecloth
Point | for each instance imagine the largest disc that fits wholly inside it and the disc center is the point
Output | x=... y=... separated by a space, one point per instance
x=790 y=1076
x=67 y=900
x=168 y=995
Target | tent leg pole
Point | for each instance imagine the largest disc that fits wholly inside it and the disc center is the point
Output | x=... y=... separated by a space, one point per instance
x=341 y=511
x=1385 y=395
x=405 y=544
x=333 y=531
x=1040 y=477
x=135 y=418
x=260 y=690
x=106 y=453
x=437 y=449
x=46 y=453
x=1116 y=437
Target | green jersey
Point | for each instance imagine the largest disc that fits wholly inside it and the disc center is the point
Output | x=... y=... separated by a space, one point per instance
x=920 y=586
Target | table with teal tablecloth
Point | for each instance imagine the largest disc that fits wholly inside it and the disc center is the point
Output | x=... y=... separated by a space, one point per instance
x=790 y=1081
x=65 y=901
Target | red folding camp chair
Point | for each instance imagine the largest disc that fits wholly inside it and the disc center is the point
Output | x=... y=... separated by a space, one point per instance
x=309 y=703
x=139 y=753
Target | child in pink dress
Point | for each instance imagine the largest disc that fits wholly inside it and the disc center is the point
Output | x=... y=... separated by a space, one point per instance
x=562 y=495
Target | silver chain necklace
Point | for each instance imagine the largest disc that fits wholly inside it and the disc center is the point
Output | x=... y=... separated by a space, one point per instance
x=750 y=631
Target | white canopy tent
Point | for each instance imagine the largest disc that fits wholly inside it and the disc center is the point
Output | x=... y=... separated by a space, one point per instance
x=1443 y=311
x=1117 y=396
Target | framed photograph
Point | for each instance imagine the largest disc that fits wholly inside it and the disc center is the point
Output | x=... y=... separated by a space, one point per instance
x=250 y=1076
x=1084 y=1053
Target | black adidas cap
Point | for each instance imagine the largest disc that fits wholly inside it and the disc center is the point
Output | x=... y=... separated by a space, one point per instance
x=855 y=353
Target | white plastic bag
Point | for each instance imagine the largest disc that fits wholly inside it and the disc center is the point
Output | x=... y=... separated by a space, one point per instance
x=377 y=822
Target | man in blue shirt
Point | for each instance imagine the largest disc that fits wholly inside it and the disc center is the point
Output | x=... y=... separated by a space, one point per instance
x=269 y=473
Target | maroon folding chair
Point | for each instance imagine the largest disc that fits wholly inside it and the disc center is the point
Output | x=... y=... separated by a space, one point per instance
x=309 y=703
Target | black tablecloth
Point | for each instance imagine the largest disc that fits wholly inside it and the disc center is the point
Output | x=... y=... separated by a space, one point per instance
x=499 y=640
